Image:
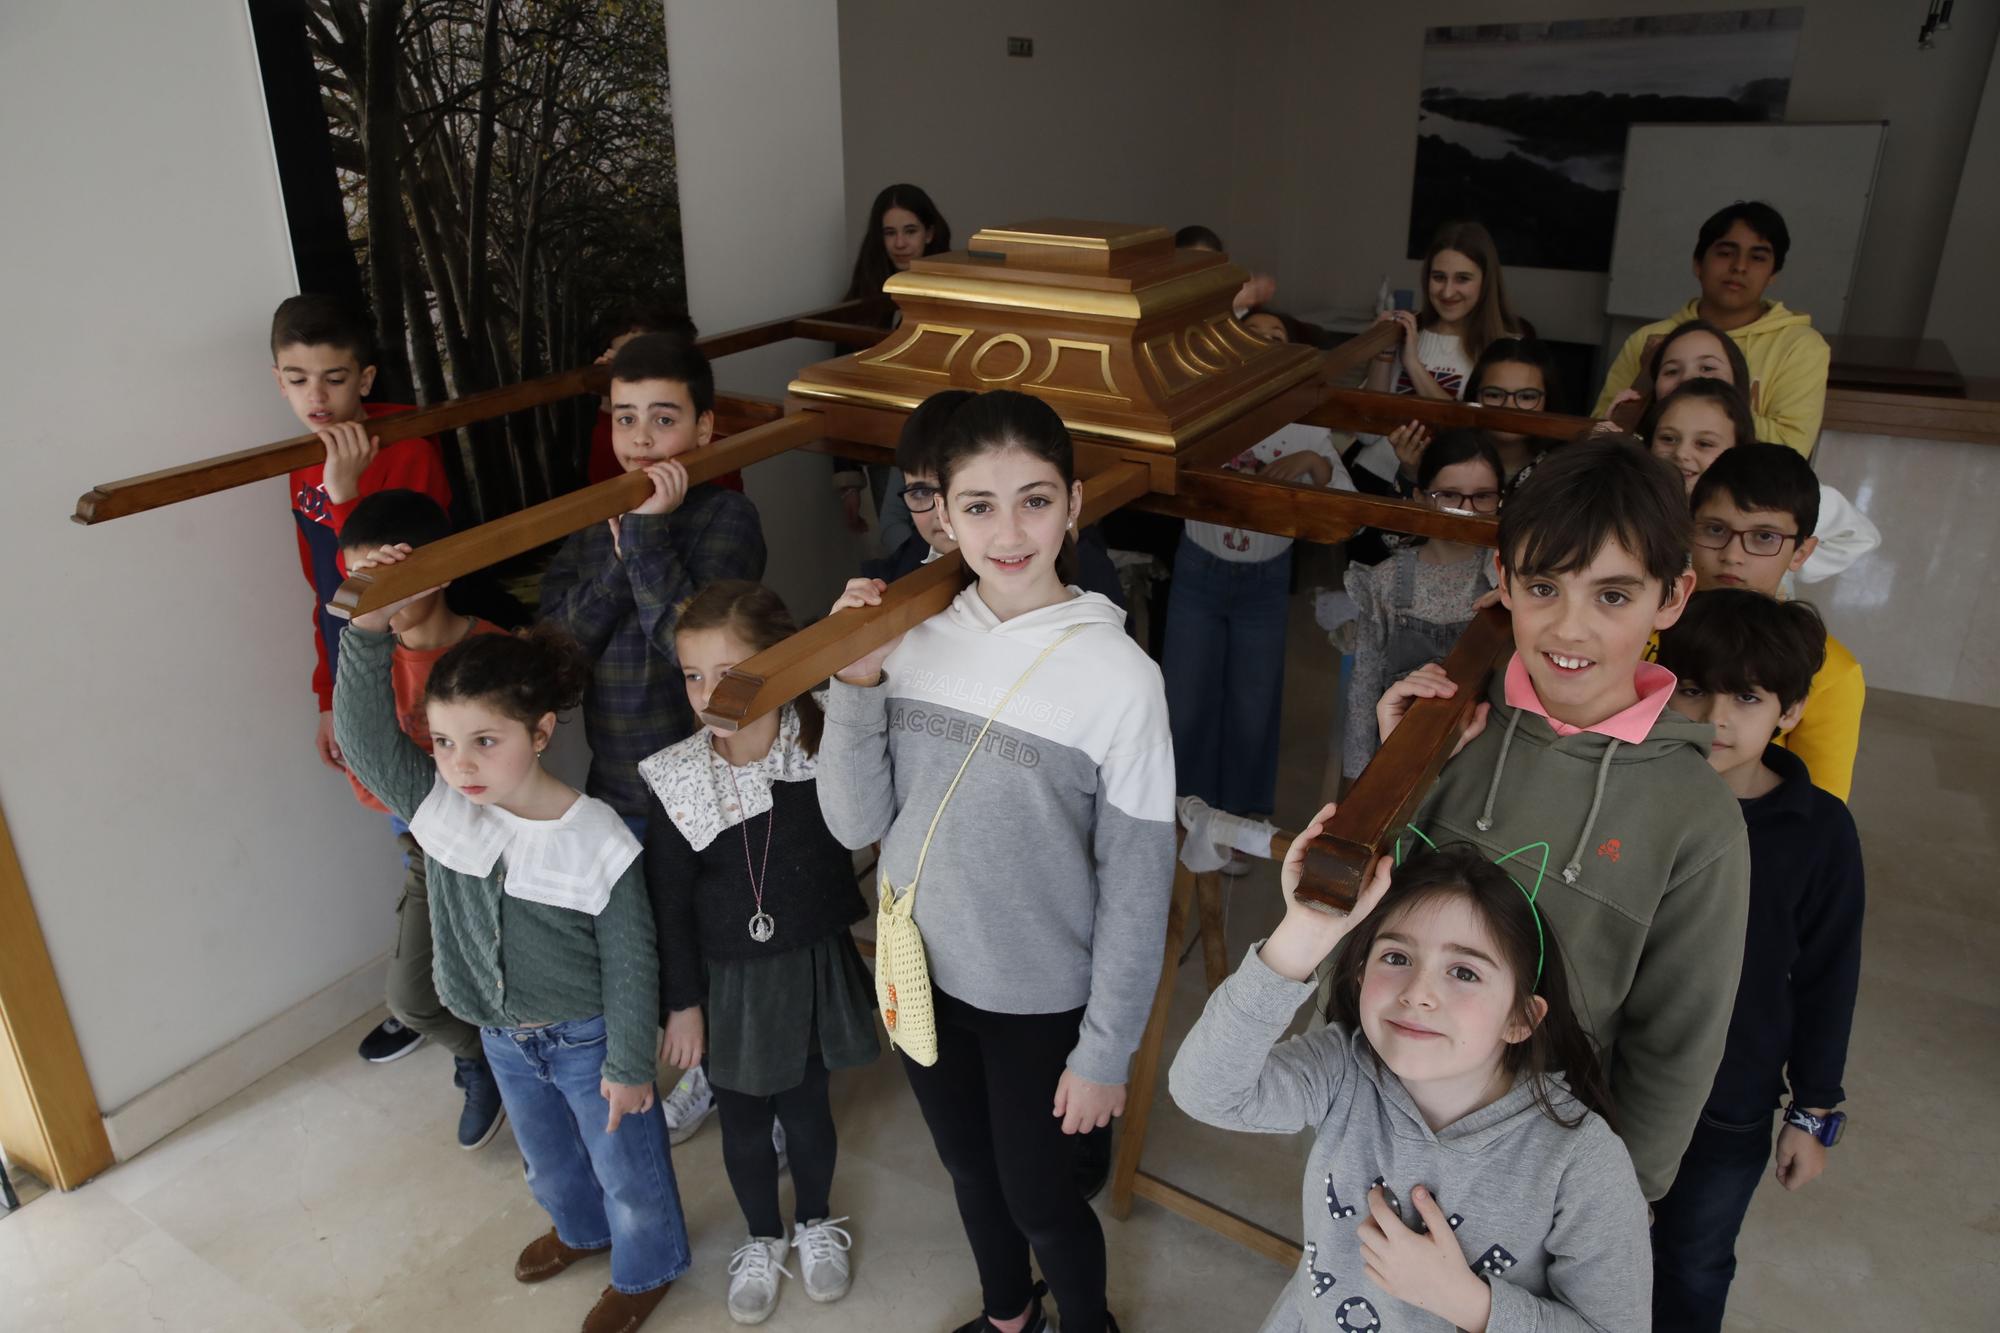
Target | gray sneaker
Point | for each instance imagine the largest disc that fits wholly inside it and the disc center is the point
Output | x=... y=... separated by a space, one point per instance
x=690 y=1103
x=754 y=1272
x=823 y=1262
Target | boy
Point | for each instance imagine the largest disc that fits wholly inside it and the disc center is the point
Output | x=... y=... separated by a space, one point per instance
x=621 y=325
x=1745 y=663
x=615 y=586
x=1755 y=513
x=323 y=357
x=381 y=530
x=1578 y=758
x=1738 y=254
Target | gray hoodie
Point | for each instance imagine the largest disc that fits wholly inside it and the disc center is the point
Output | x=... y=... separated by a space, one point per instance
x=1552 y=1218
x=1046 y=885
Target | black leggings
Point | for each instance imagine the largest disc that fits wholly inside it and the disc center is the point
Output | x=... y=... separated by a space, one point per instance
x=752 y=1162
x=987 y=1102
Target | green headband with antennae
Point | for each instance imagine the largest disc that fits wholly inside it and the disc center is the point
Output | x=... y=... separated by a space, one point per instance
x=1541 y=872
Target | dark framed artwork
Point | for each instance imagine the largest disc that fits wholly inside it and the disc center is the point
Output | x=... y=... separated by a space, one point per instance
x=487 y=177
x=1521 y=126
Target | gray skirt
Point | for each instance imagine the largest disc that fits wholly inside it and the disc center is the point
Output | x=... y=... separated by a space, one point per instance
x=766 y=1015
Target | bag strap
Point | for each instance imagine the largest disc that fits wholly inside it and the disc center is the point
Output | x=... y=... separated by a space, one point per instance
x=974 y=749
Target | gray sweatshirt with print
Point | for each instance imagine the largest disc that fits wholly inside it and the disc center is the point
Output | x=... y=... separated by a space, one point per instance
x=1551 y=1218
x=1046 y=885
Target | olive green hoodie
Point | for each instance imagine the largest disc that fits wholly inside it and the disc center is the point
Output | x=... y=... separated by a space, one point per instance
x=1647 y=887
x=1788 y=361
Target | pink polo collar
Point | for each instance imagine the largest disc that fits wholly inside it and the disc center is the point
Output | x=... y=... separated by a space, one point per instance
x=1630 y=725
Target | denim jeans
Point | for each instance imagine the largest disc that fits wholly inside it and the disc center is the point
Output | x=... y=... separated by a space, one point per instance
x=600 y=1189
x=1695 y=1225
x=1225 y=673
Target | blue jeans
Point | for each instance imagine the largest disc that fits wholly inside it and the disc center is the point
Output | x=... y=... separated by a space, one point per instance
x=1695 y=1225
x=600 y=1189
x=1225 y=670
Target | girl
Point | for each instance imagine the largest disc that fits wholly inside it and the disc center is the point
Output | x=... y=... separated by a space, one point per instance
x=903 y=224
x=1515 y=373
x=1413 y=605
x=543 y=937
x=1694 y=349
x=754 y=944
x=1045 y=870
x=1455 y=1181
x=1695 y=422
x=1224 y=661
x=1465 y=308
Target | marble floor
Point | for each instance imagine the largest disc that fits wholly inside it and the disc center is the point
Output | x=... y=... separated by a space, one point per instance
x=328 y=1196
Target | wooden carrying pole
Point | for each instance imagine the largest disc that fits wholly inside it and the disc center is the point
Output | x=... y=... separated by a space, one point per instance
x=463 y=552
x=802 y=661
x=134 y=495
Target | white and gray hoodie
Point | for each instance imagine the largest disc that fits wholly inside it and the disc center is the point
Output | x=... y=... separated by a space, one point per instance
x=1551 y=1218
x=1047 y=883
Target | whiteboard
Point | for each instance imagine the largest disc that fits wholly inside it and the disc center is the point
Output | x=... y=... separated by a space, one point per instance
x=1820 y=177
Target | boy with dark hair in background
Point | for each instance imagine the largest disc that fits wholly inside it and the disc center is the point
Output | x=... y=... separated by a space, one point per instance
x=1745 y=664
x=1576 y=766
x=381 y=530
x=1739 y=252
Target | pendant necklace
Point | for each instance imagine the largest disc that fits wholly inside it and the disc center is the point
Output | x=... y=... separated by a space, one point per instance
x=762 y=927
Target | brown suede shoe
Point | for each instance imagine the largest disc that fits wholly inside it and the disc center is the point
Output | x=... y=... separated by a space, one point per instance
x=546 y=1256
x=617 y=1312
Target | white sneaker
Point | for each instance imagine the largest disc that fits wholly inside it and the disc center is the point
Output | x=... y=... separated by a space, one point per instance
x=824 y=1266
x=778 y=1142
x=753 y=1278
x=690 y=1103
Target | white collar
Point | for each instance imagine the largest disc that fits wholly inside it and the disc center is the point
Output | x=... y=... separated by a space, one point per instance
x=698 y=787
x=571 y=862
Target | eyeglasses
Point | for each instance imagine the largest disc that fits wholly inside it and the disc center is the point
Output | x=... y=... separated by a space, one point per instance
x=1479 y=502
x=1756 y=541
x=1495 y=396
x=920 y=499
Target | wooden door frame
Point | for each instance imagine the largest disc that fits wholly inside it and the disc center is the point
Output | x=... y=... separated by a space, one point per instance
x=49 y=1119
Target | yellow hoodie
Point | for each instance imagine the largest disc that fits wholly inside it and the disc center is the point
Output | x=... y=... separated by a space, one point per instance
x=1788 y=361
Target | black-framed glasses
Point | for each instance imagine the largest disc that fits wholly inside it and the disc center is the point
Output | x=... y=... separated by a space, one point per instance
x=1492 y=395
x=919 y=498
x=1479 y=502
x=1716 y=536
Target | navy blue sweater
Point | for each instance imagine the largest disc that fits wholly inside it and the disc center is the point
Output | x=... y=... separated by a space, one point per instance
x=1801 y=951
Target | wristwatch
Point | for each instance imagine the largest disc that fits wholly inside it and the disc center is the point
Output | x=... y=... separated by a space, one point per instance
x=1825 y=1128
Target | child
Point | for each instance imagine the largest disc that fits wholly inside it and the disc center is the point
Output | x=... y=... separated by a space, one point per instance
x=1515 y=373
x=323 y=357
x=1691 y=426
x=1651 y=878
x=903 y=225
x=619 y=326
x=1744 y=664
x=1755 y=515
x=381 y=530
x=614 y=586
x=1740 y=251
x=754 y=944
x=1414 y=605
x=1436 y=1079
x=1044 y=897
x=1227 y=607
x=544 y=940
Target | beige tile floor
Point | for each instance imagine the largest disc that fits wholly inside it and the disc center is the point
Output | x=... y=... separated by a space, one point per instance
x=328 y=1196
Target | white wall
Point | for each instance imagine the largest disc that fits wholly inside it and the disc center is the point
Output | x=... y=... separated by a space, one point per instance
x=196 y=871
x=1969 y=274
x=1333 y=197
x=1122 y=112
x=757 y=139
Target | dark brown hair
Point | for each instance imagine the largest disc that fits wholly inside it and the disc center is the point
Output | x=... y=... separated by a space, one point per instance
x=1006 y=419
x=1731 y=398
x=1734 y=639
x=1493 y=318
x=1739 y=369
x=668 y=356
x=322 y=321
x=872 y=266
x=759 y=617
x=1754 y=476
x=1559 y=1043
x=923 y=431
x=1591 y=492
x=524 y=676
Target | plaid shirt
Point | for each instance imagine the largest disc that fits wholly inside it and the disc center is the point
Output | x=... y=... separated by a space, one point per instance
x=623 y=612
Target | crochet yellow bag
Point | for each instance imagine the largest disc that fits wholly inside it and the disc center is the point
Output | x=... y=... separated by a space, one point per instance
x=902 y=970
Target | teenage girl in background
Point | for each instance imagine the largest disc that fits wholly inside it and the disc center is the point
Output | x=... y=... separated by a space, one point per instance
x=1044 y=886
